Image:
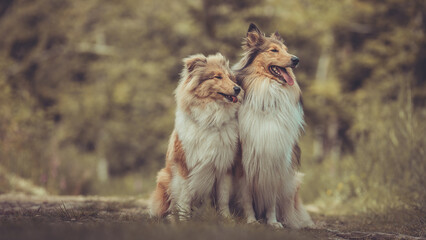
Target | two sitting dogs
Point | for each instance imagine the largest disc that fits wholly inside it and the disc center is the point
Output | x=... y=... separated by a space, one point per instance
x=235 y=135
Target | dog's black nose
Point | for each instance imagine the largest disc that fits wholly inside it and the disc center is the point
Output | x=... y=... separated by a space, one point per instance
x=294 y=61
x=237 y=90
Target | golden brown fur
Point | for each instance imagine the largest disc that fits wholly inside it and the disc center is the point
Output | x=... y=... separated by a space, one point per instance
x=260 y=55
x=212 y=80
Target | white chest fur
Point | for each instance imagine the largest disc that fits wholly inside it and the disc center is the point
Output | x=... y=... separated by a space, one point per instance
x=209 y=138
x=269 y=123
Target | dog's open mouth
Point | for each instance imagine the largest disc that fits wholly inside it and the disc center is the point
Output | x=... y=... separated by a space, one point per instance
x=282 y=74
x=230 y=98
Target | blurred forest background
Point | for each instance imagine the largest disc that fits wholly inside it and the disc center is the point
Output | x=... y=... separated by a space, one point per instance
x=87 y=106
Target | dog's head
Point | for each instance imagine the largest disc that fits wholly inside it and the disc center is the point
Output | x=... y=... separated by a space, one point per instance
x=269 y=56
x=208 y=79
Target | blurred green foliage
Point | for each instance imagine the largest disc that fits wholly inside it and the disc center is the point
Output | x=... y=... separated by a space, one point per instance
x=86 y=90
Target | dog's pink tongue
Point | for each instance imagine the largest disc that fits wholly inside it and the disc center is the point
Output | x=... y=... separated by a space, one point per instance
x=286 y=76
x=234 y=99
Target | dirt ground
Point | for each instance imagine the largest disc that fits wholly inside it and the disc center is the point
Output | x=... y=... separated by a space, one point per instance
x=76 y=217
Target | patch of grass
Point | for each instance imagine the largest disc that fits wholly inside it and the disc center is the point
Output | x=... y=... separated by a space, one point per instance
x=70 y=214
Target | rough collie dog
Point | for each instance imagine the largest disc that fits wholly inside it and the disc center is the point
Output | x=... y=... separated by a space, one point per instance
x=270 y=122
x=204 y=142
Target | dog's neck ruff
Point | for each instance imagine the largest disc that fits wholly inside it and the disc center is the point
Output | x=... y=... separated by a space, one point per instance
x=209 y=136
x=270 y=124
x=273 y=106
x=265 y=94
x=211 y=115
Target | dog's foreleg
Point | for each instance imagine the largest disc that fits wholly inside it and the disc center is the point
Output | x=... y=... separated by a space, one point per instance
x=183 y=205
x=224 y=189
x=247 y=201
x=271 y=215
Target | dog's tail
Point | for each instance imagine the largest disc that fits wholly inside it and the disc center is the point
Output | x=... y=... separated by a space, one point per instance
x=159 y=202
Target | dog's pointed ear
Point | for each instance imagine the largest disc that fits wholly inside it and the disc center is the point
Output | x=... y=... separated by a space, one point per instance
x=254 y=36
x=253 y=28
x=277 y=36
x=194 y=61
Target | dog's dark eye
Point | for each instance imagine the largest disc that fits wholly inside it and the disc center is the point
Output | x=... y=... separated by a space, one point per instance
x=274 y=50
x=218 y=77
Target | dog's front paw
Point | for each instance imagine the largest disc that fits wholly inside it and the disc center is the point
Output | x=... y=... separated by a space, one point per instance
x=252 y=220
x=276 y=225
x=183 y=217
x=226 y=213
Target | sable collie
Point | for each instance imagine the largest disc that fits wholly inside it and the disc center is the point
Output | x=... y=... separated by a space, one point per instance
x=270 y=123
x=204 y=142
